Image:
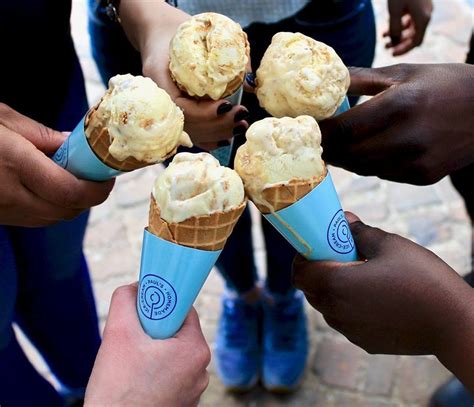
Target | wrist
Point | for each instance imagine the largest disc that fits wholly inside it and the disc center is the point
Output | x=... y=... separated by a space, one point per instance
x=454 y=347
x=144 y=21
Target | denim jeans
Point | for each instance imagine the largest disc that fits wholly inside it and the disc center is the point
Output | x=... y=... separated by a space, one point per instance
x=352 y=35
x=45 y=288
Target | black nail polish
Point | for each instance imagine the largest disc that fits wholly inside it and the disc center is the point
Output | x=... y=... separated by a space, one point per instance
x=223 y=143
x=241 y=115
x=224 y=108
x=239 y=131
x=250 y=79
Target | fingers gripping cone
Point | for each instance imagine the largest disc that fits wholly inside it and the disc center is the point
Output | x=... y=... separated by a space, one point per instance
x=135 y=124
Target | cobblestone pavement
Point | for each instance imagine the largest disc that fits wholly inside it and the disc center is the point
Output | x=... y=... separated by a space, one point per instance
x=338 y=373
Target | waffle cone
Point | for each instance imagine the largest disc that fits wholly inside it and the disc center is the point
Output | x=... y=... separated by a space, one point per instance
x=99 y=141
x=208 y=232
x=283 y=195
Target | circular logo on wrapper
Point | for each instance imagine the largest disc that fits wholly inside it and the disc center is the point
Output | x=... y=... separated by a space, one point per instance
x=157 y=298
x=61 y=156
x=339 y=234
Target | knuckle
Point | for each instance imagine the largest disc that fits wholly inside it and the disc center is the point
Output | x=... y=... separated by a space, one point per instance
x=400 y=72
x=119 y=293
x=389 y=240
x=412 y=96
x=204 y=382
x=45 y=133
x=424 y=173
x=70 y=196
x=203 y=356
x=4 y=109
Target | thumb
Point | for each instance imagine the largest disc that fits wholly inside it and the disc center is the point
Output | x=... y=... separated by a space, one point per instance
x=123 y=311
x=367 y=239
x=395 y=9
x=313 y=277
x=43 y=138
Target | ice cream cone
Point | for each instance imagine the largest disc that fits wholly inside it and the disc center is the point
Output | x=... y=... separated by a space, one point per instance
x=99 y=141
x=208 y=56
x=315 y=78
x=122 y=129
x=281 y=196
x=208 y=232
x=232 y=87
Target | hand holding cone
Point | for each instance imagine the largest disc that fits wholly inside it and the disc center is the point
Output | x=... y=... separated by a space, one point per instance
x=286 y=178
x=208 y=56
x=194 y=206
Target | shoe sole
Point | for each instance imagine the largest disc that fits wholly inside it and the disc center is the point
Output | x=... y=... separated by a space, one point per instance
x=242 y=389
x=282 y=390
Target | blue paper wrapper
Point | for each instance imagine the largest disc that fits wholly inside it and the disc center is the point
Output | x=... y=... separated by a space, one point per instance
x=76 y=156
x=236 y=97
x=316 y=225
x=223 y=153
x=344 y=107
x=171 y=277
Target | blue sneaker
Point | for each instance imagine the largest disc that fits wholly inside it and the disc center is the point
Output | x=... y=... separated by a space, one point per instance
x=452 y=394
x=237 y=351
x=285 y=342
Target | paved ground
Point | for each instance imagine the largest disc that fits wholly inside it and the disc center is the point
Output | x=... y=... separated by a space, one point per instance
x=338 y=373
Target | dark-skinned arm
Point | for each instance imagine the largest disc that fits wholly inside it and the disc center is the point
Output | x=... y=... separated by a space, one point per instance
x=402 y=299
x=418 y=127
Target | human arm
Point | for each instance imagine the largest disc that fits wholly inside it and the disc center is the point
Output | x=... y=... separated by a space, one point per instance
x=418 y=128
x=150 y=25
x=407 y=26
x=133 y=369
x=34 y=191
x=402 y=299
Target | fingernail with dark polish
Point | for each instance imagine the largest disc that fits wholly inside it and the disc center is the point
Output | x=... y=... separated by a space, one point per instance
x=241 y=115
x=224 y=108
x=250 y=79
x=223 y=143
x=239 y=131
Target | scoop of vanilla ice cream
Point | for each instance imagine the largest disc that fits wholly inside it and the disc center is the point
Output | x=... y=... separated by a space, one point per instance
x=301 y=76
x=196 y=185
x=141 y=119
x=208 y=52
x=278 y=151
